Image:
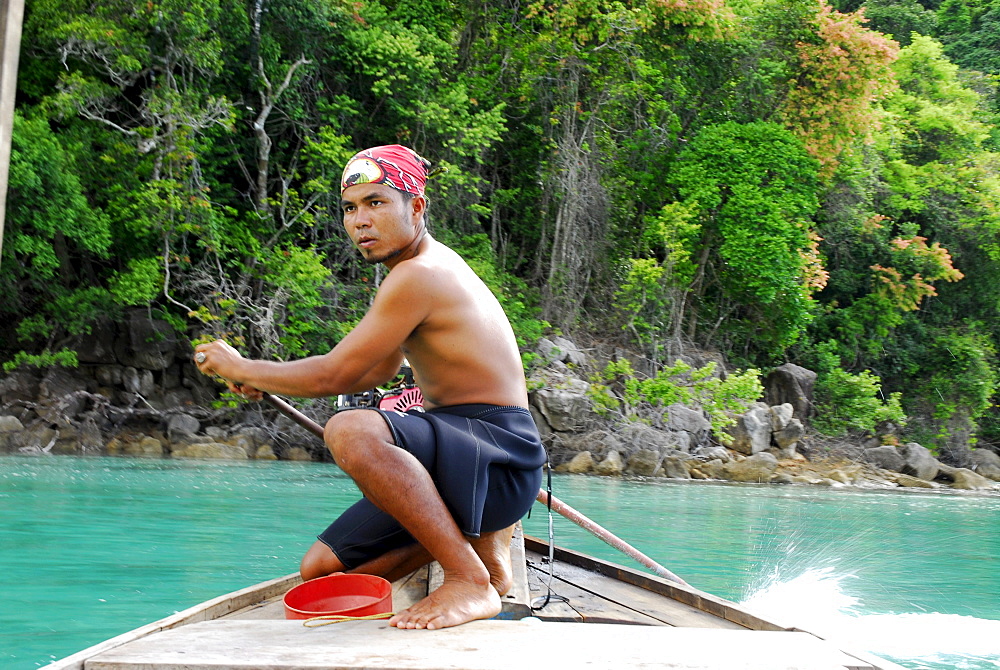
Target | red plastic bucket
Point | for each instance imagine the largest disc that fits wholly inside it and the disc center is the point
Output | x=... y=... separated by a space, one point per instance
x=339 y=594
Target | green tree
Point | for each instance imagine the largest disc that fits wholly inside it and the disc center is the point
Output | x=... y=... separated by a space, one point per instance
x=52 y=235
x=753 y=188
x=898 y=20
x=976 y=45
x=954 y=17
x=957 y=372
x=849 y=402
x=933 y=115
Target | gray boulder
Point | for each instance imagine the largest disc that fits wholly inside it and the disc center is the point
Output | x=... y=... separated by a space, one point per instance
x=885 y=457
x=752 y=432
x=713 y=453
x=913 y=482
x=963 y=478
x=182 y=424
x=139 y=445
x=60 y=382
x=918 y=461
x=138 y=381
x=645 y=462
x=985 y=463
x=560 y=350
x=781 y=415
x=548 y=351
x=298 y=454
x=611 y=465
x=679 y=440
x=9 y=424
x=564 y=409
x=34 y=440
x=757 y=468
x=838 y=476
x=544 y=429
x=692 y=422
x=582 y=463
x=636 y=436
x=84 y=438
x=211 y=450
x=109 y=375
x=713 y=469
x=20 y=385
x=791 y=384
x=60 y=394
x=789 y=435
x=97 y=346
x=597 y=442
x=265 y=452
x=571 y=353
x=675 y=467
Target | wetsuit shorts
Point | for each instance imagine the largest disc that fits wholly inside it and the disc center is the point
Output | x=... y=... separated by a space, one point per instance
x=486 y=461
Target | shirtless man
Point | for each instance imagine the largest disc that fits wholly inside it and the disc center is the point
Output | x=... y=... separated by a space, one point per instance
x=448 y=484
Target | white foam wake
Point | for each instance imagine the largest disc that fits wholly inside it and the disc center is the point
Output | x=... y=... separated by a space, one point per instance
x=817 y=601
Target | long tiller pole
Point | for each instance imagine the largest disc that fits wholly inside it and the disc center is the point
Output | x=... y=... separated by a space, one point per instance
x=543 y=497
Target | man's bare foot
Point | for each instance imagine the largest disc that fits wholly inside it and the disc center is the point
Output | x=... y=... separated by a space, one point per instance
x=493 y=550
x=455 y=602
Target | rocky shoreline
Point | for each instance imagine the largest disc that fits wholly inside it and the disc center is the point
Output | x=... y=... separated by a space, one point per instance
x=142 y=397
x=769 y=443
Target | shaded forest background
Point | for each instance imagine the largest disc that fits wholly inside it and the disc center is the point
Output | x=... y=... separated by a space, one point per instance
x=775 y=180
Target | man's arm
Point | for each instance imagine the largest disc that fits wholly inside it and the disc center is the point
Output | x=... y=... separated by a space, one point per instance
x=368 y=356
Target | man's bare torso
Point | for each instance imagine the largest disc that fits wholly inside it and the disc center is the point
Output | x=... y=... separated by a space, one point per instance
x=464 y=350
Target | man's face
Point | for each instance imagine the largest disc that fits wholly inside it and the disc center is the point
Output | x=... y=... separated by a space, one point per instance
x=381 y=222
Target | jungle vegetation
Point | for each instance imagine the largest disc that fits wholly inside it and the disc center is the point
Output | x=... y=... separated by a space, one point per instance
x=776 y=180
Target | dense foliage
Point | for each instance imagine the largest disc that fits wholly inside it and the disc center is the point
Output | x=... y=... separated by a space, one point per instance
x=781 y=180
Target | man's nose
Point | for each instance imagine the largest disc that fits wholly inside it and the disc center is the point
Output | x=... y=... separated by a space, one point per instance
x=360 y=220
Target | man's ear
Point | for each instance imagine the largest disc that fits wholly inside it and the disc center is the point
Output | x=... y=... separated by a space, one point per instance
x=418 y=205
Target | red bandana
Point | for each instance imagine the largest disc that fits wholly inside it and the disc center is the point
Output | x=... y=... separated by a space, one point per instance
x=393 y=165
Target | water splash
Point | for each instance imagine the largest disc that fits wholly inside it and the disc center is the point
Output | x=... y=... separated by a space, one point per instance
x=817 y=600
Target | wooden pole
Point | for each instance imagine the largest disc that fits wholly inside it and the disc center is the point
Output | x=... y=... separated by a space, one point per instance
x=11 y=16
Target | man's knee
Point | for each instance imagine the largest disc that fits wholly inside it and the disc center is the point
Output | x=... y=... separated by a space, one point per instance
x=354 y=432
x=319 y=561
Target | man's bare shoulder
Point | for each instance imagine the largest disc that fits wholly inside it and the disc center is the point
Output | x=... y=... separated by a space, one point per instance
x=435 y=263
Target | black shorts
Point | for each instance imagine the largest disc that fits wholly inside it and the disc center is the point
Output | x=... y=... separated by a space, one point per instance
x=485 y=460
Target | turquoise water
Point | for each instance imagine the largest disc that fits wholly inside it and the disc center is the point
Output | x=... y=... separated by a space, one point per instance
x=92 y=547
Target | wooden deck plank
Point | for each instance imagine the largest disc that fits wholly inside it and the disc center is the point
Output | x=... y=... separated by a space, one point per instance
x=583 y=606
x=411 y=589
x=221 y=606
x=481 y=645
x=605 y=598
x=698 y=600
x=607 y=602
